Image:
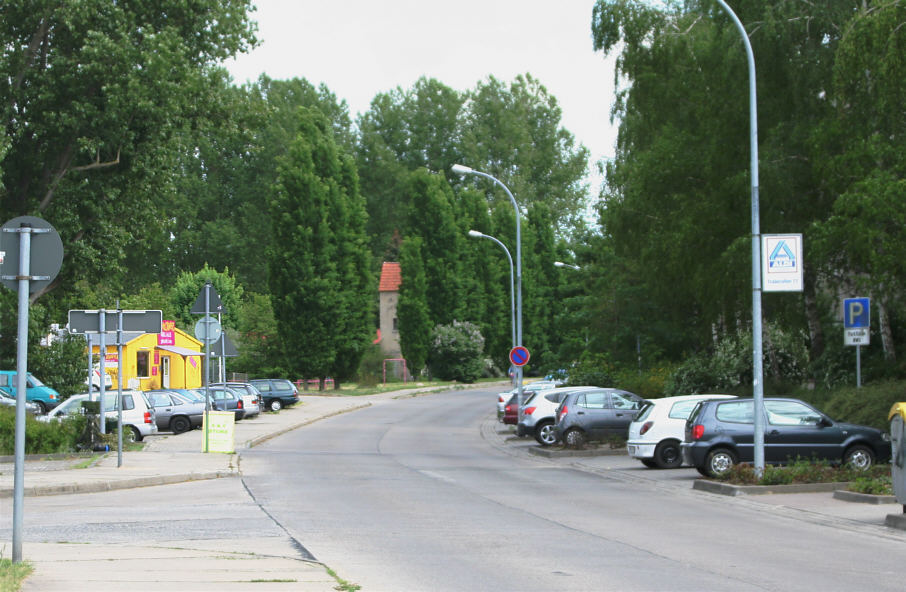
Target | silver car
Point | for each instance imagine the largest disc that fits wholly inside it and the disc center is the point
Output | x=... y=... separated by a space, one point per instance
x=596 y=414
x=175 y=412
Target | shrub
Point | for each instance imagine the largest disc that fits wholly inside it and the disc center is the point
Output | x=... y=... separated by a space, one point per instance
x=456 y=352
x=880 y=485
x=803 y=471
x=868 y=405
x=40 y=437
x=592 y=370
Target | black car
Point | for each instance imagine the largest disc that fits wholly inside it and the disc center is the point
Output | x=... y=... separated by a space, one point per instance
x=595 y=414
x=276 y=393
x=720 y=433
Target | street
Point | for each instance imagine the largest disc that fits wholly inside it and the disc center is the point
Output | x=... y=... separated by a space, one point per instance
x=430 y=493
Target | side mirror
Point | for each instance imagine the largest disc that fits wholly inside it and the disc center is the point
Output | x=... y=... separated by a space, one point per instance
x=824 y=422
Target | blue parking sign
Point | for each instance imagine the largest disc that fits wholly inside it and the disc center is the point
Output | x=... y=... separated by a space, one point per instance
x=856 y=313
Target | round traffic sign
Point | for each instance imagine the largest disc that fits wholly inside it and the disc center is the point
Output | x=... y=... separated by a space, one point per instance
x=45 y=252
x=207 y=329
x=519 y=356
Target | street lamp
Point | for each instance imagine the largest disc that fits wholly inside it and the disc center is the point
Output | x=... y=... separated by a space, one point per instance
x=464 y=170
x=476 y=234
x=757 y=346
x=569 y=265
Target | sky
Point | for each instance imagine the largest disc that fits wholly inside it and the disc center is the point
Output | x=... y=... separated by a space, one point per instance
x=360 y=48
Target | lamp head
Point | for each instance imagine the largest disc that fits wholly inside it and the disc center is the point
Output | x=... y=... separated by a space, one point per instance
x=475 y=233
x=461 y=169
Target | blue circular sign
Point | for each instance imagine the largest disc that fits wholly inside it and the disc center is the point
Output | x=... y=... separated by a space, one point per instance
x=519 y=356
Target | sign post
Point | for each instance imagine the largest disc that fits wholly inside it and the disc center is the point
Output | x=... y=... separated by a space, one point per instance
x=856 y=321
x=31 y=254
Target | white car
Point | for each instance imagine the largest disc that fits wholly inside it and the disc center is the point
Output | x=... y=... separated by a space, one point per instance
x=527 y=389
x=138 y=414
x=538 y=413
x=251 y=397
x=658 y=429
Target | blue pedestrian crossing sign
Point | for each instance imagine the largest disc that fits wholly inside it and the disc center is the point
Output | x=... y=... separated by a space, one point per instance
x=856 y=313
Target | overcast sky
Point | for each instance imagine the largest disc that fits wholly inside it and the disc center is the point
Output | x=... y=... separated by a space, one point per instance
x=359 y=48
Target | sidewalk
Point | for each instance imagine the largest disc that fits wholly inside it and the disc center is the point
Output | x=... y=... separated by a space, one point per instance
x=222 y=565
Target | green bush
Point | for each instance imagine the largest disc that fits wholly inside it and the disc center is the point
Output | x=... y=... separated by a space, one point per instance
x=880 y=485
x=593 y=370
x=868 y=405
x=40 y=437
x=803 y=471
x=456 y=352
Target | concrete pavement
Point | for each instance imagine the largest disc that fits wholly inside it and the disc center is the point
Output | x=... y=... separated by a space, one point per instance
x=277 y=563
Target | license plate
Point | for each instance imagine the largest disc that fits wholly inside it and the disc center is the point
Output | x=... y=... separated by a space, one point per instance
x=631 y=449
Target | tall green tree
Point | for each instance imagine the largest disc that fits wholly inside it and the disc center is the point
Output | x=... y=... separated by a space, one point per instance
x=95 y=97
x=412 y=312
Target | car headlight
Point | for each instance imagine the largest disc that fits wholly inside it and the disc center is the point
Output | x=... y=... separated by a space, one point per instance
x=885 y=436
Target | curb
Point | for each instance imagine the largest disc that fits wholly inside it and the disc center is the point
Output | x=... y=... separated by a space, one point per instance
x=548 y=453
x=863 y=498
x=734 y=490
x=897 y=521
x=262 y=439
x=101 y=486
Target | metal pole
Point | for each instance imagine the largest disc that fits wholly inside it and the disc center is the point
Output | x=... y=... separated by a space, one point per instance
x=458 y=168
x=207 y=365
x=21 y=386
x=757 y=347
x=858 y=366
x=102 y=355
x=119 y=387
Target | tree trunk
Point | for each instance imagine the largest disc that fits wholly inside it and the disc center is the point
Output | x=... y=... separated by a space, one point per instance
x=815 y=332
x=887 y=343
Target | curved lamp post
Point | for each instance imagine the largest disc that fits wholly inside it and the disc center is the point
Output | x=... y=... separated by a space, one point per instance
x=757 y=369
x=476 y=234
x=464 y=170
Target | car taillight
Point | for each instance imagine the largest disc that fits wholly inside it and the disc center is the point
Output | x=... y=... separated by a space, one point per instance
x=500 y=399
x=698 y=430
x=530 y=410
x=563 y=411
x=239 y=404
x=147 y=417
x=645 y=427
x=508 y=408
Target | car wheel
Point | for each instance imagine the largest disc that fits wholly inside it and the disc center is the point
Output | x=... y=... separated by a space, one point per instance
x=42 y=408
x=648 y=463
x=545 y=434
x=859 y=457
x=575 y=438
x=132 y=435
x=719 y=461
x=275 y=405
x=180 y=424
x=667 y=455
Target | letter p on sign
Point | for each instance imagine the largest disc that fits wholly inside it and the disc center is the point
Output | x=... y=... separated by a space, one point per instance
x=856 y=313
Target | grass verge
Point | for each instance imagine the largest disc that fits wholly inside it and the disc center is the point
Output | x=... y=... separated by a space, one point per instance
x=13 y=574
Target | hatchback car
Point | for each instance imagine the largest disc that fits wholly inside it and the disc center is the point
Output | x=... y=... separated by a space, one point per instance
x=720 y=434
x=659 y=428
x=527 y=389
x=595 y=414
x=175 y=412
x=139 y=419
x=251 y=397
x=539 y=411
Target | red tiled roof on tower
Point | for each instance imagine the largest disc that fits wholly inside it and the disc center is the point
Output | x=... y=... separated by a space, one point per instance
x=390 y=277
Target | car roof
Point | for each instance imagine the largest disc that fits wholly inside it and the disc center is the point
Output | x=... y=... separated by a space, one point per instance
x=702 y=397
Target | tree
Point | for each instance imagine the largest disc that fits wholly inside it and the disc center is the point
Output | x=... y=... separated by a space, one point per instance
x=412 y=309
x=95 y=96
x=189 y=285
x=317 y=262
x=457 y=352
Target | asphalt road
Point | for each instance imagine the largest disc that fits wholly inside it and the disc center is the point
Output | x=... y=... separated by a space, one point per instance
x=410 y=495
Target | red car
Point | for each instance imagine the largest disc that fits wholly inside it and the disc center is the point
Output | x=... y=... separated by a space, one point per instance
x=511 y=410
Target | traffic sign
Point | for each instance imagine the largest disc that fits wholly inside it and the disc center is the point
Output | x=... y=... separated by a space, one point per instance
x=134 y=321
x=45 y=252
x=856 y=313
x=858 y=336
x=207 y=329
x=519 y=356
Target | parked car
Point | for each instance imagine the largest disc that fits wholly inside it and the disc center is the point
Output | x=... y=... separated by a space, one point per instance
x=8 y=401
x=538 y=413
x=659 y=428
x=276 y=393
x=223 y=398
x=251 y=397
x=36 y=391
x=596 y=415
x=527 y=389
x=720 y=434
x=175 y=412
x=138 y=415
x=95 y=380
